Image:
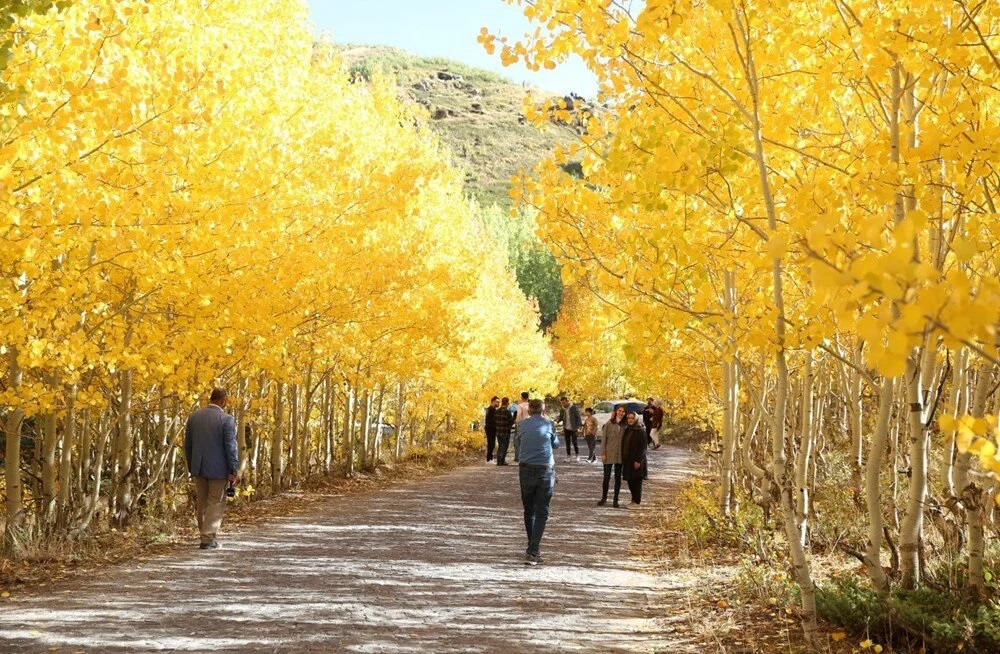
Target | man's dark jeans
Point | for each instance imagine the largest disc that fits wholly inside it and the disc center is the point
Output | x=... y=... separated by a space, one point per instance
x=537 y=486
x=491 y=441
x=570 y=436
x=503 y=442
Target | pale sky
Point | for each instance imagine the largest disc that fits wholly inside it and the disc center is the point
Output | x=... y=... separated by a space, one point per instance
x=444 y=28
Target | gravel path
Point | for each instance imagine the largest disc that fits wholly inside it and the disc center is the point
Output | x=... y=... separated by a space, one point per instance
x=428 y=566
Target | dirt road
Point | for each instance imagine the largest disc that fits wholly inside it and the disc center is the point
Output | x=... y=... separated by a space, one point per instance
x=428 y=566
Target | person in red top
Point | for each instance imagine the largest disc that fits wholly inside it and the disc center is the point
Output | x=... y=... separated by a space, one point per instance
x=656 y=424
x=647 y=419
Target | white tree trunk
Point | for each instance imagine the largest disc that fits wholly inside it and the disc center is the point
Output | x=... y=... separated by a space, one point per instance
x=911 y=529
x=277 y=437
x=873 y=486
x=972 y=495
x=12 y=464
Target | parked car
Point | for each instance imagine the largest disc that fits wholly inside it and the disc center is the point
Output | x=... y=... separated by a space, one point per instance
x=384 y=428
x=604 y=409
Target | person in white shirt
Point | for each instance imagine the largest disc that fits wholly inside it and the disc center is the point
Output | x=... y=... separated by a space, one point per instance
x=522 y=413
x=522 y=407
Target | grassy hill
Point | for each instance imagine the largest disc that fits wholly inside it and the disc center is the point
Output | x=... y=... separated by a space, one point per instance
x=476 y=112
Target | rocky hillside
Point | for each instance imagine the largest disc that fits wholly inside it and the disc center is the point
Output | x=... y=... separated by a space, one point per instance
x=477 y=113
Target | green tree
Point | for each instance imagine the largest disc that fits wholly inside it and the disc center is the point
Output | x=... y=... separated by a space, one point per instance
x=14 y=9
x=538 y=273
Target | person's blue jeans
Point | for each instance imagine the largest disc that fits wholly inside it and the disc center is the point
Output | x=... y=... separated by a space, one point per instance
x=537 y=486
x=503 y=442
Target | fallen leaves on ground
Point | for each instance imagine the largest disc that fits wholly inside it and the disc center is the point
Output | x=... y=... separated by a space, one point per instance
x=38 y=568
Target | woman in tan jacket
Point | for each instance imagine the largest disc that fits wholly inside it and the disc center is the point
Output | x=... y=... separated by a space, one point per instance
x=611 y=453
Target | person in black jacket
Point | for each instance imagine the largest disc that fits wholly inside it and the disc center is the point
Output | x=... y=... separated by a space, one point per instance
x=571 y=422
x=490 y=428
x=503 y=422
x=634 y=457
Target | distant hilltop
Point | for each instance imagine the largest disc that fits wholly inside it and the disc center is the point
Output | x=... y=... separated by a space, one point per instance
x=478 y=114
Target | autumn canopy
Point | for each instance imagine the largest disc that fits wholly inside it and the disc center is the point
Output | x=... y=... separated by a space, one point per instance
x=197 y=194
x=804 y=197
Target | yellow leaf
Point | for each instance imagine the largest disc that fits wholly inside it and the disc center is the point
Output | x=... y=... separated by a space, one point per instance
x=982 y=448
x=964 y=249
x=777 y=246
x=890 y=365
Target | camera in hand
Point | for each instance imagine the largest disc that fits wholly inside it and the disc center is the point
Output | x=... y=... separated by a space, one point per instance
x=231 y=490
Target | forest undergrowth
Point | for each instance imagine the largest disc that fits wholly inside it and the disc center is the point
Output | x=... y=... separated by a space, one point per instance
x=746 y=600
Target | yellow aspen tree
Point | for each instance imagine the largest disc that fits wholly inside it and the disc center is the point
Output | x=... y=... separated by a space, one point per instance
x=175 y=220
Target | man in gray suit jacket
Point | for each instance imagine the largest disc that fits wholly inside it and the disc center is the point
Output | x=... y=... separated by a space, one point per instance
x=213 y=460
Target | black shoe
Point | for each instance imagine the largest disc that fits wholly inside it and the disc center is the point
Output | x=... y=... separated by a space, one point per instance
x=603 y=502
x=214 y=545
x=532 y=559
x=501 y=463
x=615 y=504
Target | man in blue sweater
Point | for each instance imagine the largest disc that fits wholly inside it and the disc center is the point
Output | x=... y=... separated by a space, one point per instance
x=537 y=441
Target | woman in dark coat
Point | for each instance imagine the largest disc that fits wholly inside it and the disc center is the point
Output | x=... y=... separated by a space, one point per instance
x=634 y=457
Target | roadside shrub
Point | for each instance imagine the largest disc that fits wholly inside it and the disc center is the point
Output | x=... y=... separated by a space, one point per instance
x=846 y=602
x=951 y=569
x=937 y=621
x=686 y=432
x=766 y=583
x=834 y=506
x=389 y=63
x=702 y=521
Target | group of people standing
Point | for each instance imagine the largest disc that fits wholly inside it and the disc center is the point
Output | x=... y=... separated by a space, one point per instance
x=499 y=424
x=624 y=438
x=213 y=457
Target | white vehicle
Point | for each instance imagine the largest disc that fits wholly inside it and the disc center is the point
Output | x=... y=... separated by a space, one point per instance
x=604 y=409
